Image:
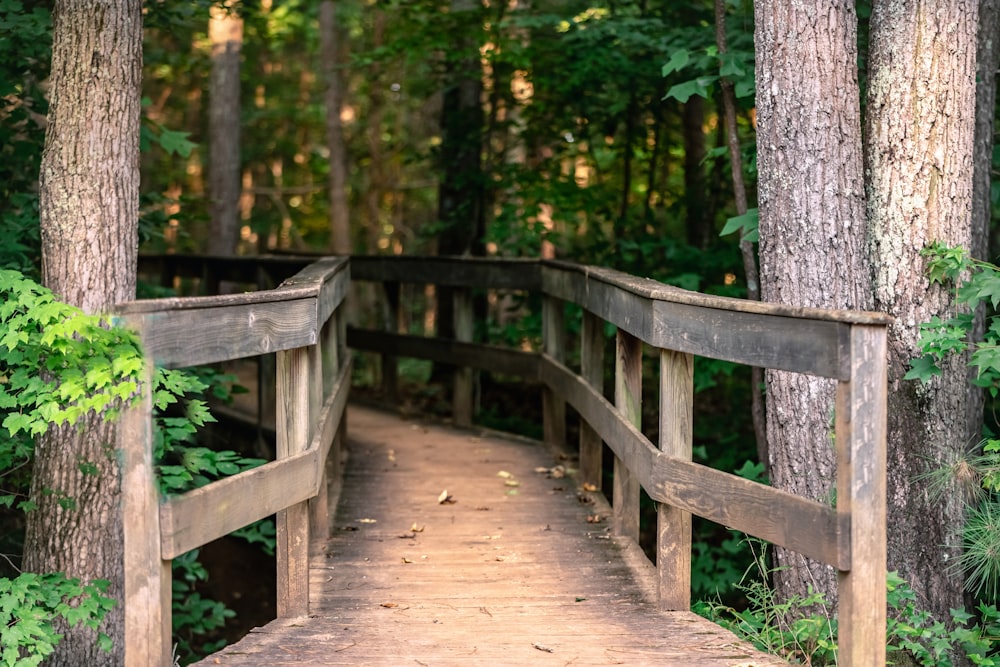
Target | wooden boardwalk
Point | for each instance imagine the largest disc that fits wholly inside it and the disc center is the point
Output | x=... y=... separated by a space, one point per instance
x=515 y=566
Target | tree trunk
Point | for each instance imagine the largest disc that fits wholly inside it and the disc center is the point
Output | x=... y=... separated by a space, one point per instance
x=340 y=229
x=225 y=31
x=920 y=125
x=812 y=236
x=89 y=206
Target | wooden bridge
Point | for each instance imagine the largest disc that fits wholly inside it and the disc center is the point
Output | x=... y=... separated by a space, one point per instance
x=431 y=560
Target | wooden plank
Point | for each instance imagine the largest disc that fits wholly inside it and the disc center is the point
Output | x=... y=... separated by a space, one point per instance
x=592 y=372
x=516 y=274
x=652 y=312
x=628 y=402
x=147 y=577
x=486 y=357
x=331 y=277
x=190 y=337
x=621 y=436
x=861 y=499
x=200 y=516
x=554 y=345
x=673 y=525
x=806 y=526
x=464 y=325
x=294 y=424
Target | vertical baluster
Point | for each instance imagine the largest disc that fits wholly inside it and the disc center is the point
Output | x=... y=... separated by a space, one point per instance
x=147 y=578
x=464 y=325
x=553 y=407
x=296 y=377
x=390 y=364
x=592 y=370
x=861 y=499
x=673 y=526
x=628 y=400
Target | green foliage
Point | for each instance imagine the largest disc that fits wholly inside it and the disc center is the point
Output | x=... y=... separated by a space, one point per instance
x=802 y=629
x=194 y=616
x=31 y=602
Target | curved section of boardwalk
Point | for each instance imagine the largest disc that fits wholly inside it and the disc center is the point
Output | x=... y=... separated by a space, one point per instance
x=517 y=567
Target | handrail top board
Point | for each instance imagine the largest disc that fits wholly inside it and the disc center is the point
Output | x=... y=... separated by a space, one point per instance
x=304 y=284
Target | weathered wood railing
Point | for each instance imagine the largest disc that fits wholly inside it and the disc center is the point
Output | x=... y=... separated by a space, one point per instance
x=849 y=347
x=302 y=323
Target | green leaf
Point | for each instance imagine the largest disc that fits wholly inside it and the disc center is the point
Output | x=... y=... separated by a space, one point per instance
x=923 y=369
x=678 y=60
x=682 y=92
x=747 y=222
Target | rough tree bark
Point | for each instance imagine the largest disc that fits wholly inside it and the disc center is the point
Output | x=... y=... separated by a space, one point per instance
x=920 y=125
x=812 y=233
x=340 y=229
x=89 y=206
x=225 y=32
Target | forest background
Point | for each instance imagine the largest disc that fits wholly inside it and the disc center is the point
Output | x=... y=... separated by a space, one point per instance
x=554 y=130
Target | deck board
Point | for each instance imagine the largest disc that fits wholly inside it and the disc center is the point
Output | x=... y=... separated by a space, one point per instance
x=505 y=575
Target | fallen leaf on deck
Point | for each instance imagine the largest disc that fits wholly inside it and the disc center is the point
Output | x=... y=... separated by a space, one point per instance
x=407 y=536
x=406 y=560
x=445 y=498
x=590 y=488
x=349 y=528
x=511 y=482
x=584 y=499
x=504 y=474
x=512 y=492
x=392 y=455
x=542 y=647
x=416 y=529
x=390 y=605
x=595 y=518
x=367 y=520
x=542 y=470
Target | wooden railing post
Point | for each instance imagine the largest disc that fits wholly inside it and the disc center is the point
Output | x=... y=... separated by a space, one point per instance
x=390 y=364
x=329 y=348
x=861 y=499
x=464 y=324
x=553 y=337
x=592 y=371
x=673 y=526
x=147 y=575
x=628 y=400
x=297 y=376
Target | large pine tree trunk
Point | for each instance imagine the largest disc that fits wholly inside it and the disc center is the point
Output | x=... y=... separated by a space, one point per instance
x=225 y=31
x=812 y=234
x=89 y=203
x=920 y=124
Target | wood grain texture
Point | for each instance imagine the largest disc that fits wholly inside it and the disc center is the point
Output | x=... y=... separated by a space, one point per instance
x=673 y=525
x=861 y=499
x=592 y=372
x=554 y=346
x=494 y=579
x=147 y=576
x=628 y=402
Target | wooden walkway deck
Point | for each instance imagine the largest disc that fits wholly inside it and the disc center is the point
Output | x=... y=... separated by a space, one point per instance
x=516 y=567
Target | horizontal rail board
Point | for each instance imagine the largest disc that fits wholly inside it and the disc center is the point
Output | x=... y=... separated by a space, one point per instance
x=771 y=514
x=189 y=337
x=624 y=439
x=208 y=513
x=514 y=274
x=331 y=277
x=485 y=357
x=765 y=512
x=767 y=340
x=333 y=411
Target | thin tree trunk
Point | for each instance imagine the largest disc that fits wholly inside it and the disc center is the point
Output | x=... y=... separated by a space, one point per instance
x=340 y=229
x=89 y=206
x=750 y=270
x=225 y=32
x=920 y=125
x=812 y=240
